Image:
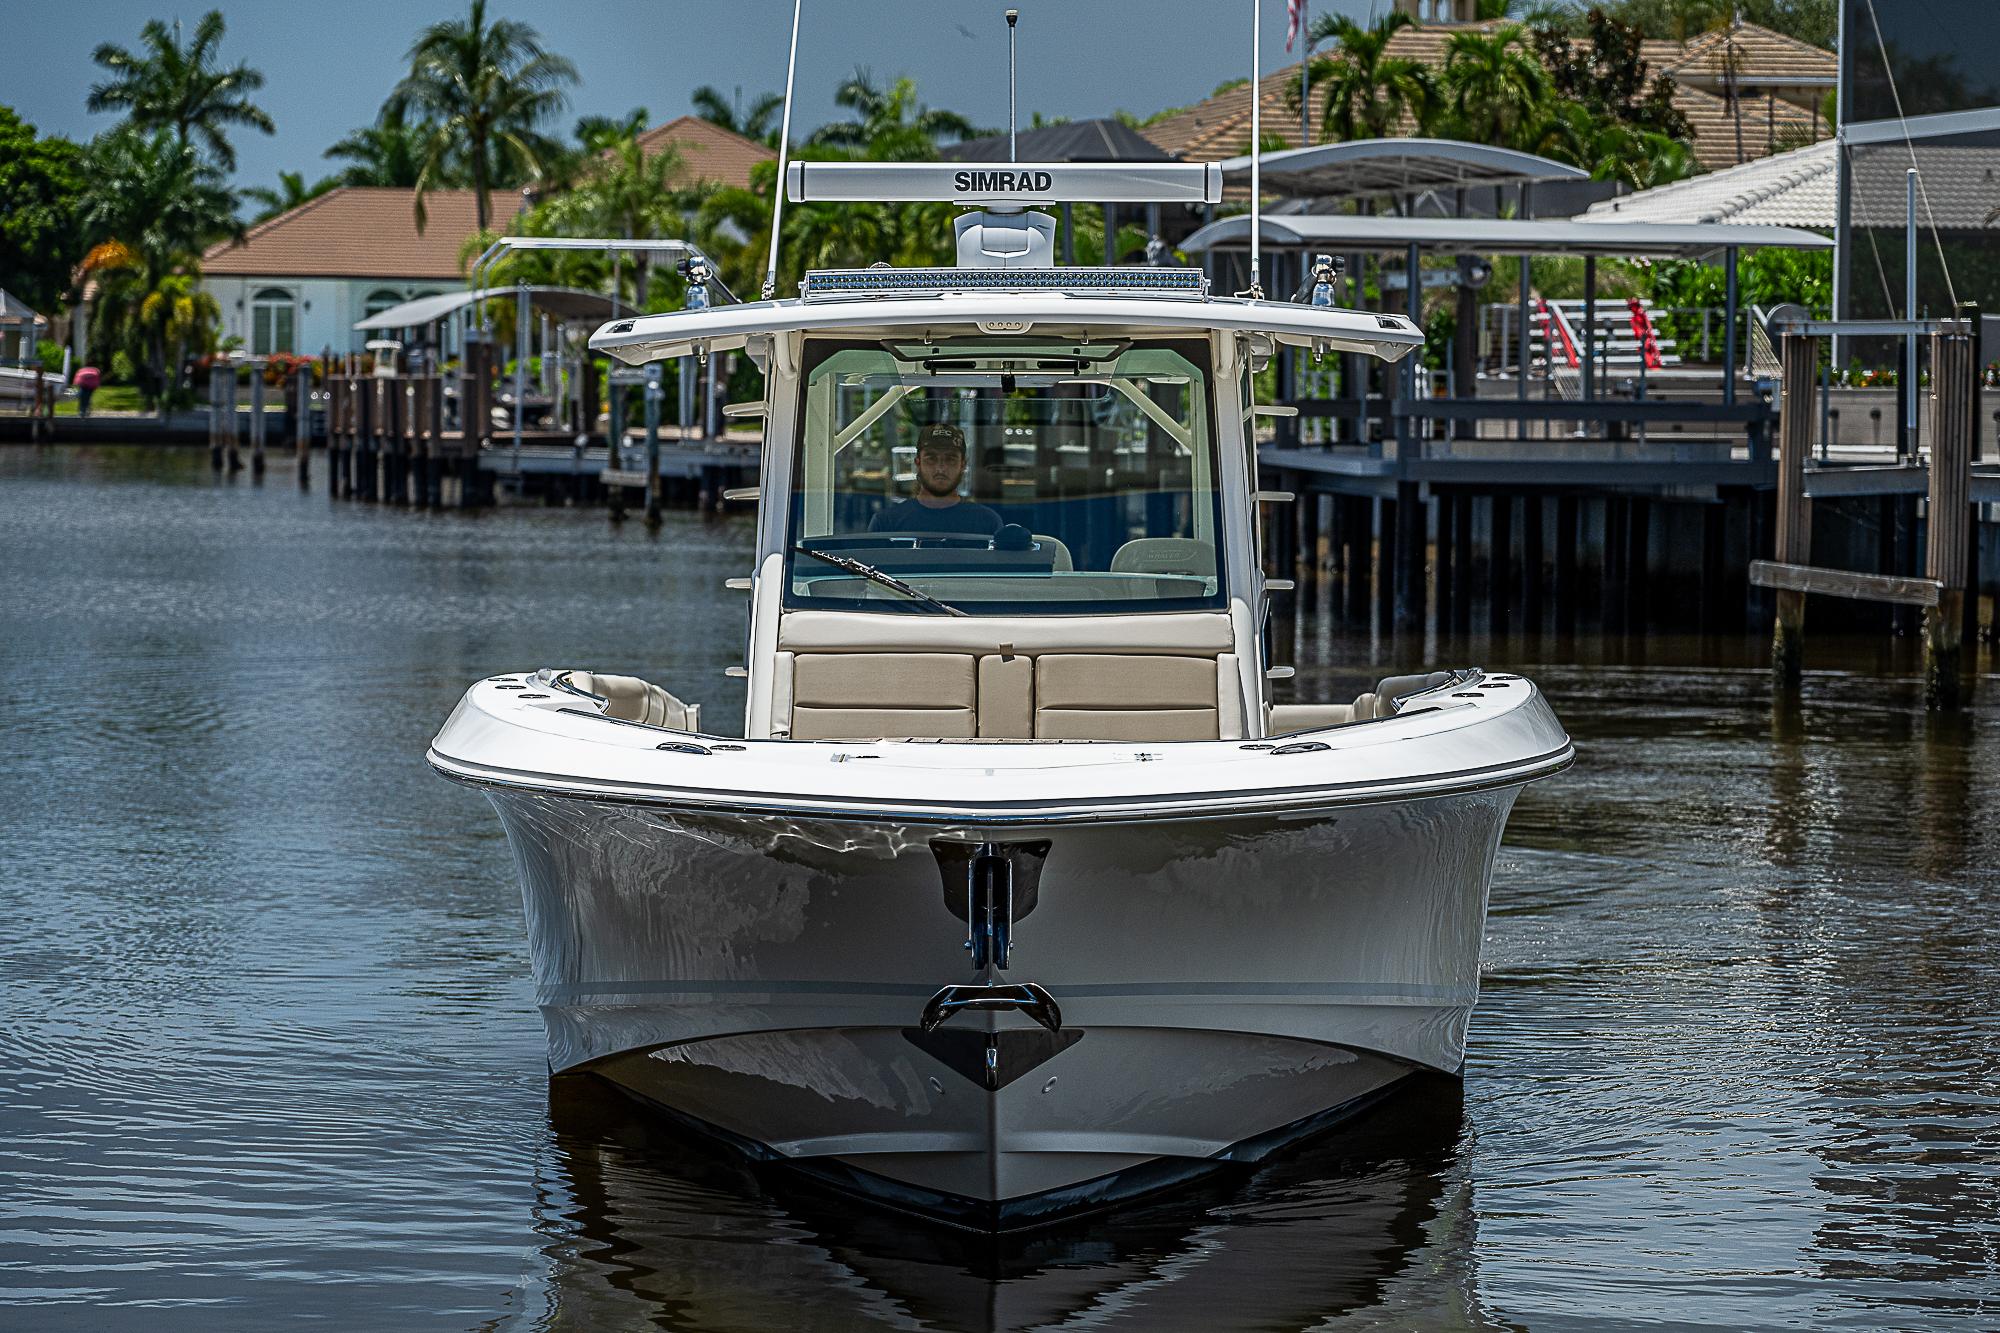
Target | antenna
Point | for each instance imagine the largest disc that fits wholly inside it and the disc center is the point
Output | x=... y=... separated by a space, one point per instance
x=1256 y=289
x=784 y=156
x=1013 y=153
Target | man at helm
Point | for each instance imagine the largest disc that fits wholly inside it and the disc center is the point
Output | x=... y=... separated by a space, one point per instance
x=937 y=506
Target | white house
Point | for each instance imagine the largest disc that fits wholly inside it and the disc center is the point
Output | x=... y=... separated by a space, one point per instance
x=299 y=281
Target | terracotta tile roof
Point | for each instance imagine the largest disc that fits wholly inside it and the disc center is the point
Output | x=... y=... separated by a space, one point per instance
x=1219 y=126
x=1764 y=59
x=362 y=232
x=1770 y=125
x=710 y=152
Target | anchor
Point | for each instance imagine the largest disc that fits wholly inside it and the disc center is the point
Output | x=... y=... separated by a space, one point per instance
x=1024 y=997
x=989 y=886
x=993 y=1059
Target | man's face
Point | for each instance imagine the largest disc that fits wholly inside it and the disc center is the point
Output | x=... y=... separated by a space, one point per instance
x=939 y=469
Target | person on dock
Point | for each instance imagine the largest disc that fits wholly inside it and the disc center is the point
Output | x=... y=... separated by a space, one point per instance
x=85 y=380
x=937 y=505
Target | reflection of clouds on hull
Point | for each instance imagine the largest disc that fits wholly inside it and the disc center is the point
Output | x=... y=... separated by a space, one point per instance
x=642 y=1225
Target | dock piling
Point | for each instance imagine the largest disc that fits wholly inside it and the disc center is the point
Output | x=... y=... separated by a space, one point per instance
x=257 y=424
x=301 y=390
x=655 y=400
x=1409 y=556
x=1797 y=356
x=1948 y=536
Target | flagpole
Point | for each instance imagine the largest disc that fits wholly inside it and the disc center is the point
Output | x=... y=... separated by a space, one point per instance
x=1305 y=74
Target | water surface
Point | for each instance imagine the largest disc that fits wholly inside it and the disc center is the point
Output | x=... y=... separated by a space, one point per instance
x=271 y=1054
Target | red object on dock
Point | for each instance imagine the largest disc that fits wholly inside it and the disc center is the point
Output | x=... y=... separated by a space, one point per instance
x=1642 y=329
x=1555 y=332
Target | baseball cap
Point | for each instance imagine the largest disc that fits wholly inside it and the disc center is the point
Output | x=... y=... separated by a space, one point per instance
x=941 y=435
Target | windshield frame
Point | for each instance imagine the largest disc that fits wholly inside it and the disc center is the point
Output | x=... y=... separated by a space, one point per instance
x=809 y=488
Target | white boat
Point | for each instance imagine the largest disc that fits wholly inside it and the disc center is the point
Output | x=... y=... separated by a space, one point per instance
x=1015 y=892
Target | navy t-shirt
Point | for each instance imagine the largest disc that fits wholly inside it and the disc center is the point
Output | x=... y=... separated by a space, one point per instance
x=915 y=516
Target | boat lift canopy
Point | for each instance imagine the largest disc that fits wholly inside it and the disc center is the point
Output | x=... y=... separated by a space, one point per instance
x=1371 y=168
x=1343 y=233
x=568 y=304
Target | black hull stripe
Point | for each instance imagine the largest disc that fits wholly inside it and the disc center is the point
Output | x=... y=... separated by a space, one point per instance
x=1397 y=991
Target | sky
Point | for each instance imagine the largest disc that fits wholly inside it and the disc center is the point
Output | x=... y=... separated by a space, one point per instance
x=327 y=68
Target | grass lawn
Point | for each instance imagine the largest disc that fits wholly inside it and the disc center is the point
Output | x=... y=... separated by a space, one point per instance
x=110 y=398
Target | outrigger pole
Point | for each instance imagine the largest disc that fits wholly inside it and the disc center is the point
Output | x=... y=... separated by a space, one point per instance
x=784 y=156
x=1256 y=289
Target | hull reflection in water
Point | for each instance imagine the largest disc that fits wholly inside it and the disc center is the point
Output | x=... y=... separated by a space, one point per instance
x=644 y=1226
x=1227 y=985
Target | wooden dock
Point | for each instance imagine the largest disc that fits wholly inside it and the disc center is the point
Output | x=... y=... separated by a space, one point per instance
x=396 y=439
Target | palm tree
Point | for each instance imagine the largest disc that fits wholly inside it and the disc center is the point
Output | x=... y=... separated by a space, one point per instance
x=601 y=134
x=633 y=193
x=759 y=122
x=156 y=204
x=154 y=194
x=890 y=125
x=388 y=153
x=1368 y=91
x=486 y=87
x=178 y=312
x=291 y=192
x=1497 y=84
x=177 y=86
x=1610 y=149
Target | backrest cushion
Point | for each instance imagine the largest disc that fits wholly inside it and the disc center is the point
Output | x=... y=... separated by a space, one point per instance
x=1110 y=696
x=857 y=696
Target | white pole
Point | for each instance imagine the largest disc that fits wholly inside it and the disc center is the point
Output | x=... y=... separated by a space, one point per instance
x=1013 y=153
x=1256 y=290
x=520 y=366
x=784 y=159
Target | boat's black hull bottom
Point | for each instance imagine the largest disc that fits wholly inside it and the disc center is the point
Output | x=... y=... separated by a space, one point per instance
x=1016 y=1215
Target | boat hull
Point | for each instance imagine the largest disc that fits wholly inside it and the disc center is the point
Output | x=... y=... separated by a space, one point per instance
x=1225 y=983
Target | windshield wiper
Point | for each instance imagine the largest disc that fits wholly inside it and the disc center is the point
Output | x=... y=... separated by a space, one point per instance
x=874 y=575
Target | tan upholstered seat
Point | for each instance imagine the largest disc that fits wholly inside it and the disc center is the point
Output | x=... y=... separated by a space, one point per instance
x=633 y=700
x=1165 y=555
x=857 y=676
x=1117 y=697
x=1391 y=690
x=865 y=696
x=1288 y=718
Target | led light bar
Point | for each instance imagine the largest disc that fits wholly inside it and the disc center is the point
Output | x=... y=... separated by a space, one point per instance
x=1004 y=183
x=857 y=283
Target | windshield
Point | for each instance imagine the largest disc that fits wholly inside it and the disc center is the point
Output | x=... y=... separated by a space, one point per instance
x=1006 y=475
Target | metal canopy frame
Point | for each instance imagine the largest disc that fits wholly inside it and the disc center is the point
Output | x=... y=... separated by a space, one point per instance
x=611 y=245
x=568 y=303
x=1370 y=168
x=1355 y=233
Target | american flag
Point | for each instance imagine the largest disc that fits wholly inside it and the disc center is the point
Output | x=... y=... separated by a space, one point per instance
x=1295 y=18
